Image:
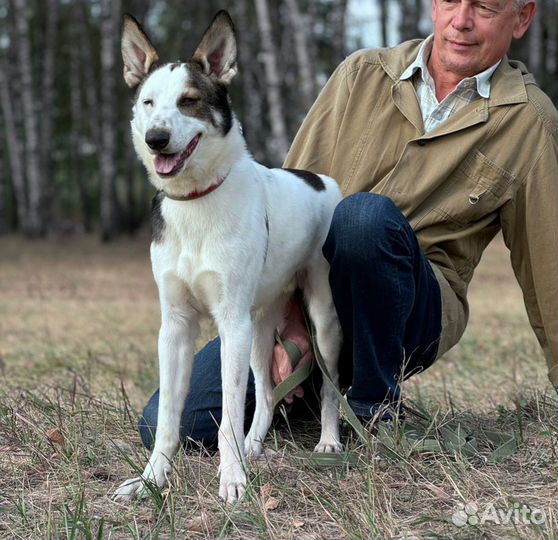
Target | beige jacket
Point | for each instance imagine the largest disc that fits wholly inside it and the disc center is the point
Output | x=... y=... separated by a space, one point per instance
x=492 y=166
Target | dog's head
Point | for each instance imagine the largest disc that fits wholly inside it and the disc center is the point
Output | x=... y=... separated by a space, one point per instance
x=181 y=110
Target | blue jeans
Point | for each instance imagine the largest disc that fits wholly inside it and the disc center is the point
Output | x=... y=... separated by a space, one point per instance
x=389 y=306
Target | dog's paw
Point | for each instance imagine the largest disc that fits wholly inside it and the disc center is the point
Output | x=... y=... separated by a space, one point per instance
x=232 y=487
x=131 y=489
x=252 y=447
x=330 y=446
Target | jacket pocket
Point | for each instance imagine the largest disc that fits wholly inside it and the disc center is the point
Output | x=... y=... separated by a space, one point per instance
x=476 y=189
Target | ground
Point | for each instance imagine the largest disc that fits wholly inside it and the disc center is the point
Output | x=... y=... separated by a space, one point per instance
x=78 y=333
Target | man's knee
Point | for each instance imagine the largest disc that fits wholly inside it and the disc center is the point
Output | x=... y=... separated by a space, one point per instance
x=361 y=223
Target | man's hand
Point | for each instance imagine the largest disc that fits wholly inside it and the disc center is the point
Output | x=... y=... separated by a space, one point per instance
x=293 y=328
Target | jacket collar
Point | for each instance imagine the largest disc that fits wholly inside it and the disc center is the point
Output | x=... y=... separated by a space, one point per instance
x=509 y=79
x=481 y=81
x=508 y=87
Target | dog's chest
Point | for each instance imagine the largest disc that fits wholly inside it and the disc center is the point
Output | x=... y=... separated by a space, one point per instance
x=207 y=255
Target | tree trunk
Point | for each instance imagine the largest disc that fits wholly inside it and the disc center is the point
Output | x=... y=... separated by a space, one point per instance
x=90 y=80
x=384 y=22
x=110 y=15
x=4 y=219
x=411 y=11
x=77 y=125
x=35 y=223
x=252 y=117
x=339 y=11
x=305 y=71
x=278 y=141
x=47 y=113
x=14 y=146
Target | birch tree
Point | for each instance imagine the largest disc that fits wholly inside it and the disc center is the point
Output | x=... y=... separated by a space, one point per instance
x=78 y=121
x=3 y=185
x=13 y=144
x=35 y=223
x=339 y=12
x=305 y=71
x=411 y=11
x=110 y=19
x=384 y=22
x=248 y=67
x=47 y=98
x=278 y=141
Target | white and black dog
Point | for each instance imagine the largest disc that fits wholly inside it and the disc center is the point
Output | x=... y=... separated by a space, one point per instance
x=232 y=239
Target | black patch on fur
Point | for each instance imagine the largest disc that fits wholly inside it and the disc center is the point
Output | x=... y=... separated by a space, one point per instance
x=157 y=220
x=213 y=105
x=175 y=65
x=313 y=180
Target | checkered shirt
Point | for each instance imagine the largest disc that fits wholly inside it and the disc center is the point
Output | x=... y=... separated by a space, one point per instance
x=467 y=91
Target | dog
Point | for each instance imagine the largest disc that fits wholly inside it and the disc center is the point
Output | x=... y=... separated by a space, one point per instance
x=232 y=240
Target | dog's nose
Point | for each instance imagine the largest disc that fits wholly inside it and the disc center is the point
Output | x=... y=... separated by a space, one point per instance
x=157 y=139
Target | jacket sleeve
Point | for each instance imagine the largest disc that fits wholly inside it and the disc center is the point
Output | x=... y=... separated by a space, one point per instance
x=314 y=145
x=530 y=229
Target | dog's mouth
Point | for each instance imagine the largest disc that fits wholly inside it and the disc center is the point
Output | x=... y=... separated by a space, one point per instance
x=167 y=165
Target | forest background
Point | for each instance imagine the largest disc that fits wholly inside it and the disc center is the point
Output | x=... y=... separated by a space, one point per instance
x=67 y=164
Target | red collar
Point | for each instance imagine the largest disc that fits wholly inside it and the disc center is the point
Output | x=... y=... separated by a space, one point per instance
x=197 y=194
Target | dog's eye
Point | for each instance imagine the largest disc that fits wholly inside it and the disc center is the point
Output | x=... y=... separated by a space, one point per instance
x=148 y=102
x=184 y=101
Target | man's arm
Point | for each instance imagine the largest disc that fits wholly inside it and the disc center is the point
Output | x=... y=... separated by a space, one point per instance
x=314 y=144
x=530 y=229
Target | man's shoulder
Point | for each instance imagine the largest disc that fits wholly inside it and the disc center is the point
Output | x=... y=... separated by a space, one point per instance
x=393 y=60
x=543 y=107
x=538 y=104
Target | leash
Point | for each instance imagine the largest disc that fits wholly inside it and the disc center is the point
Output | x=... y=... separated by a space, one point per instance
x=394 y=444
x=299 y=375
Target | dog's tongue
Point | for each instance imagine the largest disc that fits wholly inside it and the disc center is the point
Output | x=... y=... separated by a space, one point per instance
x=165 y=163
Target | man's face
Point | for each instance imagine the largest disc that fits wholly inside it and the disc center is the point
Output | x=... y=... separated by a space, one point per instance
x=472 y=35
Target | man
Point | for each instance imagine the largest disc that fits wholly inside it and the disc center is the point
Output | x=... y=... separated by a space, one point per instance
x=438 y=145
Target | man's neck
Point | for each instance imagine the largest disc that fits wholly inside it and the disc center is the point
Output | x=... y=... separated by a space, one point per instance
x=444 y=81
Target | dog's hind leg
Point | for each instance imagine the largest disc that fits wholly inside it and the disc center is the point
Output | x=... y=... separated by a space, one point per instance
x=319 y=301
x=265 y=324
x=177 y=336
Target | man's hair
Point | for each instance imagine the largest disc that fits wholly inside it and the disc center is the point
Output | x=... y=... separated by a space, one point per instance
x=518 y=4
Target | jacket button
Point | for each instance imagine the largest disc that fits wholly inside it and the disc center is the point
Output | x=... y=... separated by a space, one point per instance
x=422 y=143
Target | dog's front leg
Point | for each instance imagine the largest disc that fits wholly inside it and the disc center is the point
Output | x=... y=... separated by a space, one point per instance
x=236 y=338
x=177 y=336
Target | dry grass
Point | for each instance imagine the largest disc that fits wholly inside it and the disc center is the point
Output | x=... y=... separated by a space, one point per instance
x=78 y=326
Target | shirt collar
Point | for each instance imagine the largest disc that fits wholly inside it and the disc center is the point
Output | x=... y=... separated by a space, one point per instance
x=481 y=80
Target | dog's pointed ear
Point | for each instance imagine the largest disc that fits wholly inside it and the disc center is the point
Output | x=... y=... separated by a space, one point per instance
x=216 y=52
x=138 y=53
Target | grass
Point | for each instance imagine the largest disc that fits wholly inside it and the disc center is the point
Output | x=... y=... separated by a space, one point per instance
x=78 y=333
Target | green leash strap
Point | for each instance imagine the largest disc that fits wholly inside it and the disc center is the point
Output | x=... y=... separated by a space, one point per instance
x=413 y=438
x=297 y=376
x=349 y=414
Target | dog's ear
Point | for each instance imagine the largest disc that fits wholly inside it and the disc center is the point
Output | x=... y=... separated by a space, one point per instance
x=138 y=53
x=217 y=51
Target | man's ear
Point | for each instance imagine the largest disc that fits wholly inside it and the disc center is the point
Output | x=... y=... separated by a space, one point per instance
x=216 y=52
x=524 y=19
x=138 y=53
